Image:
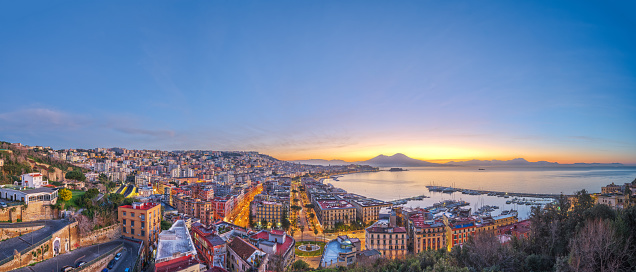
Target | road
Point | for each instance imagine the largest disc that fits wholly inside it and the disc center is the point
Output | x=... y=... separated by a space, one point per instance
x=129 y=256
x=241 y=219
x=22 y=242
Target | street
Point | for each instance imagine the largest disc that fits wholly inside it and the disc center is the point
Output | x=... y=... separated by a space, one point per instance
x=129 y=256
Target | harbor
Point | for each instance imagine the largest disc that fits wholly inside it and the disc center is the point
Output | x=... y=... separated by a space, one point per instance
x=449 y=190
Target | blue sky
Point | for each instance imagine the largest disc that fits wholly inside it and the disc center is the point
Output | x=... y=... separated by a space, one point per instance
x=436 y=80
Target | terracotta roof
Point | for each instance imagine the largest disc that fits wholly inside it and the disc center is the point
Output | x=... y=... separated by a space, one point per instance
x=175 y=264
x=242 y=248
x=280 y=247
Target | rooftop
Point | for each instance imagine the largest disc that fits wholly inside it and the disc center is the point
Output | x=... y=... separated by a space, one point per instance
x=140 y=206
x=174 y=243
x=281 y=248
x=383 y=226
x=334 y=204
x=242 y=248
x=369 y=202
x=419 y=221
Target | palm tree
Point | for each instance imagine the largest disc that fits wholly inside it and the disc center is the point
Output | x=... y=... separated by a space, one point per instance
x=302 y=232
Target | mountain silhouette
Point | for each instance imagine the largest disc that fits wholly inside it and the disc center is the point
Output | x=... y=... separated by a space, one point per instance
x=397 y=160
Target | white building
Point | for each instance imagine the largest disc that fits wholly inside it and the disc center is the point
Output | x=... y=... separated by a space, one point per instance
x=33 y=180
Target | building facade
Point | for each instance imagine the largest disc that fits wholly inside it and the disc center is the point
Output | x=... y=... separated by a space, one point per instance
x=367 y=209
x=389 y=240
x=426 y=234
x=331 y=212
x=141 y=221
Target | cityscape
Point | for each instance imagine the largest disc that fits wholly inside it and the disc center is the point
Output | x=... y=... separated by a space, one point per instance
x=236 y=136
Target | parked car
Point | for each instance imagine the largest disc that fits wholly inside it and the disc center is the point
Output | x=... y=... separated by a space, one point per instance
x=104 y=270
x=67 y=268
x=118 y=256
x=4 y=205
x=111 y=264
x=127 y=269
x=80 y=263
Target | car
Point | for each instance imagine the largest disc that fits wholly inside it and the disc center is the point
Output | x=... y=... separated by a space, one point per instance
x=80 y=263
x=127 y=269
x=104 y=270
x=4 y=205
x=67 y=268
x=118 y=256
x=111 y=264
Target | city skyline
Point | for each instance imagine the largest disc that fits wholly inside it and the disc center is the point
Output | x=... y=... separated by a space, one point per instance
x=325 y=80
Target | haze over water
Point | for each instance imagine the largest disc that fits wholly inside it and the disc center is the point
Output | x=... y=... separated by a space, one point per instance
x=388 y=186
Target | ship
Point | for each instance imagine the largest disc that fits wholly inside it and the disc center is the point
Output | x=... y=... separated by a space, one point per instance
x=397 y=169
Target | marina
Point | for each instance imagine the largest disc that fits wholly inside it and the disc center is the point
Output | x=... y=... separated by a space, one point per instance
x=449 y=190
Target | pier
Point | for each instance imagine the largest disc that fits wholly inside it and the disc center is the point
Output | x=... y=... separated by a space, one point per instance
x=450 y=190
x=490 y=193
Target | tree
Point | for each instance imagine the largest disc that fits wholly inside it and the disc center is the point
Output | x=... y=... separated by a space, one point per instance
x=165 y=225
x=597 y=248
x=300 y=265
x=285 y=220
x=302 y=232
x=75 y=175
x=65 y=194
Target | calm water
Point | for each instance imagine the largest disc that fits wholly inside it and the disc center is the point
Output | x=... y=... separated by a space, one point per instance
x=388 y=186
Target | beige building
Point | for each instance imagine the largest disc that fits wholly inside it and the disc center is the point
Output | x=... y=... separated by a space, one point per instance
x=390 y=241
x=615 y=200
x=269 y=211
x=368 y=210
x=141 y=221
x=331 y=212
x=426 y=234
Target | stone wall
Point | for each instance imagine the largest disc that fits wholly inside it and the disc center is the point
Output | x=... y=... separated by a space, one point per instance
x=60 y=242
x=103 y=235
x=8 y=233
x=33 y=212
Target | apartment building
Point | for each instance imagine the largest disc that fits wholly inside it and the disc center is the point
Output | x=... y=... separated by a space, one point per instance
x=269 y=211
x=389 y=240
x=458 y=230
x=330 y=212
x=426 y=234
x=209 y=245
x=176 y=251
x=504 y=220
x=195 y=207
x=279 y=245
x=368 y=209
x=141 y=221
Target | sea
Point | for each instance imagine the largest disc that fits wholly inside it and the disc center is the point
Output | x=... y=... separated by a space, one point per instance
x=393 y=185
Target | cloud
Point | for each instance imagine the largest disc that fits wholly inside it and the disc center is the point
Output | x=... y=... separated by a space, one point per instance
x=146 y=132
x=41 y=119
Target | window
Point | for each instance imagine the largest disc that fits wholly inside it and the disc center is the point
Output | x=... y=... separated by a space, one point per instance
x=123 y=229
x=132 y=231
x=132 y=223
x=143 y=233
x=124 y=213
x=132 y=214
x=124 y=222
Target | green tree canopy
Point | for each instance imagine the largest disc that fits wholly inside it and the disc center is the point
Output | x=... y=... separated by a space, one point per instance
x=75 y=175
x=65 y=194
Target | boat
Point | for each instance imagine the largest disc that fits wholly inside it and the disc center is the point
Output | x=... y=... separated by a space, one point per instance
x=448 y=190
x=396 y=169
x=481 y=169
x=508 y=202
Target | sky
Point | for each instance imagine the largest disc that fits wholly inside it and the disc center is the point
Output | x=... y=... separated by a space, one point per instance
x=435 y=80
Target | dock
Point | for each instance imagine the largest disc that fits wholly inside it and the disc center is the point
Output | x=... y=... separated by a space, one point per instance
x=490 y=193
